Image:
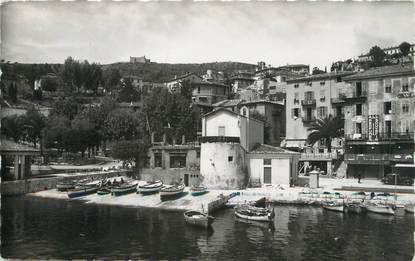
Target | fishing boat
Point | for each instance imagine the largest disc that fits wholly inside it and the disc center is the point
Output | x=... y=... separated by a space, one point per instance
x=82 y=191
x=124 y=188
x=171 y=191
x=197 y=191
x=104 y=191
x=409 y=208
x=254 y=213
x=65 y=185
x=150 y=187
x=380 y=208
x=333 y=206
x=353 y=207
x=197 y=218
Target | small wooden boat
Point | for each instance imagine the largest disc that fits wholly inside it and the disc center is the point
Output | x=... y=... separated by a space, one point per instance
x=82 y=191
x=65 y=185
x=150 y=188
x=104 y=191
x=353 y=207
x=254 y=213
x=333 y=206
x=380 y=208
x=197 y=191
x=409 y=208
x=171 y=190
x=197 y=218
x=124 y=188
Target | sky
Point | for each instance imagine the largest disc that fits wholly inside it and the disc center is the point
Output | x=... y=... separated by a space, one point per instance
x=279 y=33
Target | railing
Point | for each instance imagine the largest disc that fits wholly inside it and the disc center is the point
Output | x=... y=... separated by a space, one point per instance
x=405 y=94
x=219 y=139
x=337 y=100
x=357 y=95
x=372 y=158
x=327 y=155
x=308 y=102
x=382 y=136
x=308 y=119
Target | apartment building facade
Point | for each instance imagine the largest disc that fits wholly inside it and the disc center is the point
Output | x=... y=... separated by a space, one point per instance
x=379 y=120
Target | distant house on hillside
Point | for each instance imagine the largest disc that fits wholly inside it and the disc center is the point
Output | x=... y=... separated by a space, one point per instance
x=175 y=84
x=141 y=59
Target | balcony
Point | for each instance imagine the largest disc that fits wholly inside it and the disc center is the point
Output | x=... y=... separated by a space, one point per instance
x=308 y=119
x=405 y=94
x=328 y=156
x=382 y=136
x=356 y=97
x=219 y=139
x=337 y=100
x=308 y=102
x=377 y=159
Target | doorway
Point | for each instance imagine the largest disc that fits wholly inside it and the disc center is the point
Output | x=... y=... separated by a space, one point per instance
x=267 y=175
x=186 y=180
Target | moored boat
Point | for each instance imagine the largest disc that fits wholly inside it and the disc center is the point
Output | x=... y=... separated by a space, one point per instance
x=197 y=218
x=65 y=185
x=171 y=191
x=82 y=191
x=353 y=207
x=197 y=191
x=333 y=206
x=409 y=208
x=150 y=187
x=104 y=191
x=380 y=208
x=124 y=188
x=254 y=213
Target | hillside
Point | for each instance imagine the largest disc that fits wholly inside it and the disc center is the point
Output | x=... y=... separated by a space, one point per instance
x=161 y=72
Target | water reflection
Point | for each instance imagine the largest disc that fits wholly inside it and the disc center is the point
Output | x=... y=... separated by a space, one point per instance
x=44 y=228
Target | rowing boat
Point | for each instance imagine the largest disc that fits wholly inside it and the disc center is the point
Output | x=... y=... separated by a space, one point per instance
x=150 y=187
x=197 y=218
x=197 y=191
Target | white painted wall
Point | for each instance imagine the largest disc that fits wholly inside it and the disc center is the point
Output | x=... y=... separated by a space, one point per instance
x=217 y=171
x=280 y=170
x=222 y=118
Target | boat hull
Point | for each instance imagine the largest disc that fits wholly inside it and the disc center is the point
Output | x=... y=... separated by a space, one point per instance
x=82 y=192
x=260 y=218
x=119 y=191
x=409 y=208
x=334 y=208
x=171 y=192
x=65 y=186
x=198 y=193
x=385 y=210
x=105 y=191
x=150 y=189
x=199 y=219
x=353 y=208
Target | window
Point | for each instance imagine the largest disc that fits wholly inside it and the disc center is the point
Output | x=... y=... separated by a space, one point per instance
x=322 y=112
x=230 y=158
x=309 y=96
x=405 y=85
x=203 y=99
x=309 y=83
x=267 y=161
x=157 y=160
x=244 y=112
x=221 y=131
x=296 y=85
x=338 y=79
x=198 y=154
x=359 y=127
x=387 y=107
x=178 y=161
x=296 y=112
x=396 y=84
x=358 y=109
x=198 y=89
x=322 y=83
x=405 y=108
x=388 y=89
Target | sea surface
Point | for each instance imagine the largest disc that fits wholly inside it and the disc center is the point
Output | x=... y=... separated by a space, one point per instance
x=40 y=228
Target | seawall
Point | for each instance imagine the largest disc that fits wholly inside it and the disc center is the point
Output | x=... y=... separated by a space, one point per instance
x=21 y=187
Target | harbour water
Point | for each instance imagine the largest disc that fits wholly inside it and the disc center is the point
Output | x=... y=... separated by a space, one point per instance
x=43 y=228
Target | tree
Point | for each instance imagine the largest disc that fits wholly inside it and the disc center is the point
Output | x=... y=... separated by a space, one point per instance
x=378 y=55
x=68 y=107
x=12 y=127
x=34 y=122
x=50 y=84
x=88 y=134
x=56 y=129
x=123 y=124
x=111 y=78
x=405 y=47
x=316 y=70
x=131 y=150
x=128 y=93
x=326 y=129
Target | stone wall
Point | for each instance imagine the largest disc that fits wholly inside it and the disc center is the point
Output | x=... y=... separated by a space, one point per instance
x=171 y=176
x=21 y=187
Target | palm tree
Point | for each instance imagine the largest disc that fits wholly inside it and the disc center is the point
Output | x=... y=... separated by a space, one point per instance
x=327 y=129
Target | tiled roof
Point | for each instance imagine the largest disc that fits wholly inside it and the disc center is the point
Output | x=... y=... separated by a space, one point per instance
x=228 y=103
x=183 y=76
x=263 y=101
x=399 y=69
x=293 y=65
x=11 y=146
x=321 y=76
x=268 y=149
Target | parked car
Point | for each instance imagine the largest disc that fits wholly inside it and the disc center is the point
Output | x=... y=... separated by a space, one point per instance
x=400 y=180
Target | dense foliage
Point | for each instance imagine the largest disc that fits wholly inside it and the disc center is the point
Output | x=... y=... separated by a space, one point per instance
x=325 y=129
